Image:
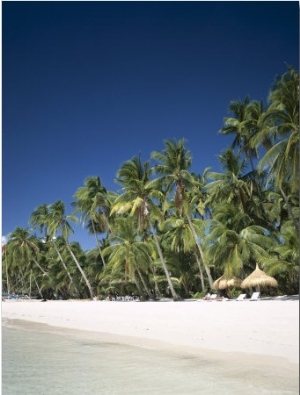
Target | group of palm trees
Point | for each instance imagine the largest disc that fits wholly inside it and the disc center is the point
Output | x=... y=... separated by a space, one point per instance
x=172 y=232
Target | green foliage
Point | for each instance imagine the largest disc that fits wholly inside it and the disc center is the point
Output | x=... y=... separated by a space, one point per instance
x=168 y=227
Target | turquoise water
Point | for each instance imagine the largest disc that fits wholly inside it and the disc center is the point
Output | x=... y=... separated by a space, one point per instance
x=61 y=364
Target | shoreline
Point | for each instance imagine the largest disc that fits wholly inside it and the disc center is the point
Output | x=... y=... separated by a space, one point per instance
x=267 y=329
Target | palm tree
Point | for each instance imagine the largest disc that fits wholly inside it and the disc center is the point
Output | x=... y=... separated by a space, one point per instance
x=92 y=203
x=180 y=238
x=126 y=249
x=284 y=259
x=243 y=124
x=22 y=250
x=235 y=242
x=58 y=221
x=231 y=186
x=24 y=247
x=136 y=199
x=173 y=172
x=39 y=220
x=281 y=123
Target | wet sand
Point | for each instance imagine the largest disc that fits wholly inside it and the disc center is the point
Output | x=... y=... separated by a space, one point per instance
x=261 y=336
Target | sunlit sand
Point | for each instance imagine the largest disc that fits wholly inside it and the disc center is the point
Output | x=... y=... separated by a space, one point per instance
x=254 y=341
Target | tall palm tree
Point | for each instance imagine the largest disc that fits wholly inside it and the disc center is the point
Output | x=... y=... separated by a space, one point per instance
x=128 y=250
x=91 y=201
x=136 y=199
x=282 y=125
x=179 y=237
x=231 y=185
x=23 y=261
x=173 y=173
x=24 y=247
x=58 y=222
x=235 y=242
x=39 y=220
x=243 y=125
x=284 y=258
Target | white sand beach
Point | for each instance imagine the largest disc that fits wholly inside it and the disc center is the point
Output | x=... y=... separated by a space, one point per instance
x=244 y=345
x=266 y=328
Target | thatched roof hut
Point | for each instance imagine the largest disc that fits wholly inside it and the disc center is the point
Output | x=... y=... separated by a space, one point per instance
x=223 y=283
x=259 y=278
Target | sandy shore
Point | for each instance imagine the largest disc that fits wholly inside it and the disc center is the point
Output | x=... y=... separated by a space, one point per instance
x=267 y=328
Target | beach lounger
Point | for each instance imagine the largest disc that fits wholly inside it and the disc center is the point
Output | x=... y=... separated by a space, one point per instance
x=255 y=296
x=240 y=297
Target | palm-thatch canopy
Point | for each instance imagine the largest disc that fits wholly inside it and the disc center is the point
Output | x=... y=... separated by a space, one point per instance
x=224 y=283
x=217 y=281
x=259 y=278
x=234 y=282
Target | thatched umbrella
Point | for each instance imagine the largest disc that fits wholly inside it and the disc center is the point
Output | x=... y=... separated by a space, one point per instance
x=258 y=278
x=234 y=282
x=224 y=283
x=217 y=285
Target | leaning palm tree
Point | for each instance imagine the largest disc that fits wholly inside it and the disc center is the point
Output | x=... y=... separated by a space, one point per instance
x=58 y=222
x=137 y=200
x=23 y=261
x=92 y=202
x=39 y=220
x=24 y=247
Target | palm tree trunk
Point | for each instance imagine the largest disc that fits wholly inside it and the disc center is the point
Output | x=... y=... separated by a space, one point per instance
x=38 y=265
x=137 y=285
x=30 y=284
x=40 y=292
x=98 y=244
x=200 y=271
x=173 y=293
x=80 y=269
x=210 y=280
x=6 y=270
x=65 y=267
x=296 y=224
x=144 y=283
x=156 y=287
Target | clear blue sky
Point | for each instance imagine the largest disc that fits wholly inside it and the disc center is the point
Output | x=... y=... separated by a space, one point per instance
x=88 y=85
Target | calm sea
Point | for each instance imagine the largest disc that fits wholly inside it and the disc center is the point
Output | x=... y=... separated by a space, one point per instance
x=42 y=363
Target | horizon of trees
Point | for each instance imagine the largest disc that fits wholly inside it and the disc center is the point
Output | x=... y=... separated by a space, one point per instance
x=172 y=232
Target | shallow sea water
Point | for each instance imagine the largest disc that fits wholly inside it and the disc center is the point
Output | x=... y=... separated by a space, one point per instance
x=45 y=363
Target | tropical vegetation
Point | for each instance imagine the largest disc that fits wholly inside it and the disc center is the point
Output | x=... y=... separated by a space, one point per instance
x=171 y=232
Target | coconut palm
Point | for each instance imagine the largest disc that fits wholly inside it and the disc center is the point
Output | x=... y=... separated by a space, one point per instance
x=235 y=242
x=24 y=265
x=282 y=124
x=173 y=173
x=243 y=125
x=39 y=220
x=136 y=199
x=231 y=186
x=24 y=247
x=284 y=259
x=58 y=222
x=179 y=237
x=92 y=202
x=126 y=249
